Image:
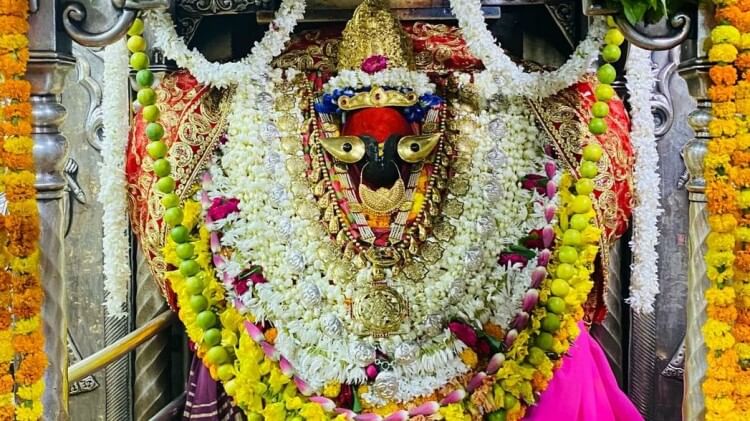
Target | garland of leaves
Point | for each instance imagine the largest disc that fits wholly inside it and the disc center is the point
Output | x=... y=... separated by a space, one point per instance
x=22 y=359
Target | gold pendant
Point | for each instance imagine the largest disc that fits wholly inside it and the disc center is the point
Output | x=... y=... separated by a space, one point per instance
x=380 y=309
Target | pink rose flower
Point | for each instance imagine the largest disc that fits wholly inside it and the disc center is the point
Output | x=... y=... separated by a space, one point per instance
x=221 y=208
x=374 y=64
x=464 y=333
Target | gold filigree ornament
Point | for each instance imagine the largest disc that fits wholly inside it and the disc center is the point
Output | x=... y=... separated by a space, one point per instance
x=385 y=200
x=380 y=309
x=377 y=97
x=374 y=31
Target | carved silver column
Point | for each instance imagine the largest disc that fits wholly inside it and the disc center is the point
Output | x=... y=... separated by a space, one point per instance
x=50 y=60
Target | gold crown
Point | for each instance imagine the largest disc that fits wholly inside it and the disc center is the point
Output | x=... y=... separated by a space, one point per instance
x=377 y=97
x=374 y=31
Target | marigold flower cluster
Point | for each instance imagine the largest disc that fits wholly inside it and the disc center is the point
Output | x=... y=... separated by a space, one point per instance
x=727 y=173
x=22 y=359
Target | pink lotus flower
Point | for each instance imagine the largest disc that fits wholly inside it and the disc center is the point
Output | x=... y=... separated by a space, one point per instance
x=327 y=404
x=476 y=381
x=254 y=332
x=549 y=213
x=401 y=415
x=551 y=189
x=537 y=276
x=464 y=333
x=548 y=236
x=510 y=337
x=374 y=64
x=368 y=417
x=454 y=397
x=512 y=259
x=550 y=169
x=543 y=259
x=221 y=208
x=286 y=367
x=348 y=413
x=269 y=350
x=303 y=387
x=530 y=299
x=427 y=408
x=521 y=320
x=495 y=362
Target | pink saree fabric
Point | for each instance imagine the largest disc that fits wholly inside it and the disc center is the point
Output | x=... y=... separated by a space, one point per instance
x=584 y=388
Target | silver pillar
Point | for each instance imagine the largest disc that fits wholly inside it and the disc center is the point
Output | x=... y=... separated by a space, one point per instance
x=50 y=60
x=695 y=73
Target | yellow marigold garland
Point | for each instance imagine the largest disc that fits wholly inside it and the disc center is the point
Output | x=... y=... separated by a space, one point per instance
x=727 y=174
x=22 y=359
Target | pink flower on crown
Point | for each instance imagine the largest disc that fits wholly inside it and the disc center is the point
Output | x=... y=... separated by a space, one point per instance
x=374 y=64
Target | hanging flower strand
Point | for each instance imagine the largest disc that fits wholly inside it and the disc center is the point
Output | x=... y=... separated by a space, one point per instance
x=22 y=344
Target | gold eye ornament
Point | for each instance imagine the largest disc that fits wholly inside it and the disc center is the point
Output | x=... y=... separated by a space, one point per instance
x=347 y=149
x=415 y=148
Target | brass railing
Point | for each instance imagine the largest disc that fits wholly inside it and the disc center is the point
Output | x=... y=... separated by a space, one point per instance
x=123 y=346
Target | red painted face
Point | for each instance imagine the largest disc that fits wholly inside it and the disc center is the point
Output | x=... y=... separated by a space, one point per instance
x=378 y=123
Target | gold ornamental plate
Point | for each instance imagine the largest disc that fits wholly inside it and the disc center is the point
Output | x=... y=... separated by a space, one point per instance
x=380 y=309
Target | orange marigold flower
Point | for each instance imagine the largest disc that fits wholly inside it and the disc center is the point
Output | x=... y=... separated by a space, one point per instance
x=5 y=320
x=741 y=332
x=5 y=281
x=717 y=93
x=12 y=42
x=494 y=331
x=721 y=198
x=28 y=303
x=742 y=260
x=17 y=162
x=743 y=61
x=723 y=75
x=270 y=335
x=19 y=90
x=32 y=368
x=18 y=8
x=27 y=344
x=16 y=110
x=743 y=5
x=14 y=24
x=722 y=145
x=24 y=281
x=743 y=106
x=23 y=233
x=6 y=383
x=721 y=313
x=23 y=128
x=19 y=185
x=14 y=63
x=722 y=126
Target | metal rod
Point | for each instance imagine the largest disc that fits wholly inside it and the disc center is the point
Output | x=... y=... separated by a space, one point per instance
x=171 y=410
x=129 y=342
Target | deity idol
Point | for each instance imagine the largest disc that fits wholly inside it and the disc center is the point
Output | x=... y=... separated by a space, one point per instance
x=372 y=240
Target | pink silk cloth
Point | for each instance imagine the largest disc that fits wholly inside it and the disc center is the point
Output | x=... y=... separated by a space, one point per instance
x=584 y=388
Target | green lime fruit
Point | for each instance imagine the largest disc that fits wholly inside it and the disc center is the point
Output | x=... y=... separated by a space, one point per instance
x=611 y=53
x=217 y=355
x=199 y=303
x=162 y=167
x=588 y=170
x=597 y=126
x=144 y=77
x=606 y=73
x=151 y=113
x=585 y=186
x=212 y=337
x=189 y=267
x=556 y=305
x=579 y=222
x=544 y=341
x=170 y=200
x=139 y=61
x=572 y=237
x=206 y=319
x=154 y=131
x=185 y=251
x=165 y=185
x=180 y=234
x=296 y=418
x=136 y=28
x=194 y=284
x=568 y=254
x=551 y=323
x=254 y=416
x=156 y=150
x=581 y=204
x=225 y=372
x=499 y=415
x=593 y=151
x=173 y=216
x=565 y=271
x=614 y=37
x=230 y=387
x=510 y=401
x=600 y=109
x=559 y=287
x=536 y=357
x=136 y=44
x=604 y=92
x=146 y=96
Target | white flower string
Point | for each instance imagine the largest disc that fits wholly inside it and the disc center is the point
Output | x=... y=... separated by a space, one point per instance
x=226 y=74
x=644 y=283
x=504 y=76
x=113 y=193
x=256 y=170
x=419 y=82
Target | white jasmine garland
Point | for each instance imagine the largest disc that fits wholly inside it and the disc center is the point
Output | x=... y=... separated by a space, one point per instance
x=504 y=76
x=225 y=74
x=644 y=282
x=277 y=228
x=355 y=79
x=113 y=193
